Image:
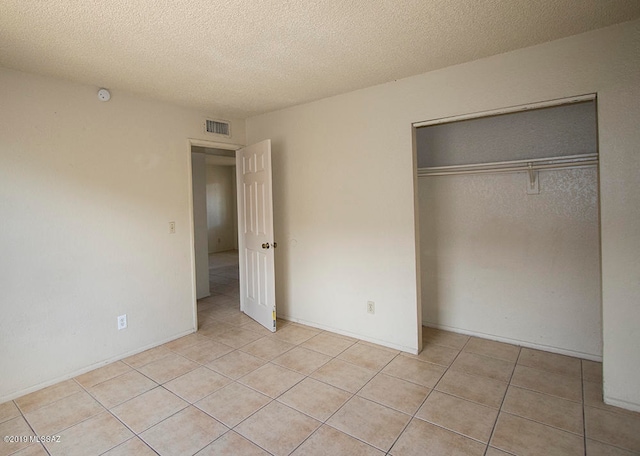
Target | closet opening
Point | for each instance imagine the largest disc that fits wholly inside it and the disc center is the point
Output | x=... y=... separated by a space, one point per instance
x=508 y=211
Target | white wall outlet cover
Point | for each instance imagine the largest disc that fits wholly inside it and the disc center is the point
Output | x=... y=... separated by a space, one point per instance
x=371 y=307
x=104 y=95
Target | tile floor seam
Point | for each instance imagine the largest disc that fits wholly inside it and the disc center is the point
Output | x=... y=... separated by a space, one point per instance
x=308 y=437
x=265 y=405
x=145 y=364
x=359 y=439
x=441 y=345
x=450 y=430
x=135 y=436
x=467 y=399
x=504 y=451
x=309 y=348
x=489 y=356
x=613 y=445
x=504 y=396
x=549 y=426
x=115 y=405
x=398 y=436
x=453 y=430
x=231 y=428
x=420 y=384
x=250 y=415
x=327 y=383
x=74 y=424
x=541 y=422
x=401 y=432
x=374 y=376
x=147 y=377
x=326 y=421
x=267 y=360
x=552 y=397
x=169 y=416
x=547 y=371
x=448 y=367
x=546 y=394
x=255 y=443
x=30 y=427
x=354 y=437
x=139 y=435
x=224 y=434
x=104 y=381
x=387 y=406
x=276 y=365
x=38 y=408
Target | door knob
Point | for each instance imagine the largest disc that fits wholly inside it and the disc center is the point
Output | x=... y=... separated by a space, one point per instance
x=274 y=245
x=265 y=245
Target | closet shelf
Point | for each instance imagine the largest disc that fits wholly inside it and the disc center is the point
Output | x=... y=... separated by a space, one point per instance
x=534 y=164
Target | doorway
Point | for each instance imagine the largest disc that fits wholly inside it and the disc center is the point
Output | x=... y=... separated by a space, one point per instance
x=214 y=214
x=214 y=225
x=241 y=286
x=222 y=225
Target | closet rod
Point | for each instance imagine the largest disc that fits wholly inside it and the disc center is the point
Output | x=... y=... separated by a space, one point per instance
x=571 y=161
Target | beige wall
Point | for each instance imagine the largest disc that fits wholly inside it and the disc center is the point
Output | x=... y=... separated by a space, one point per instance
x=344 y=188
x=87 y=191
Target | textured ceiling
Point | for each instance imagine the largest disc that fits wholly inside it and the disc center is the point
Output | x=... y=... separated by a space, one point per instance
x=238 y=58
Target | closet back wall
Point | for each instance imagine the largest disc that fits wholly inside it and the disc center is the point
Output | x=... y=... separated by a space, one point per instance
x=503 y=264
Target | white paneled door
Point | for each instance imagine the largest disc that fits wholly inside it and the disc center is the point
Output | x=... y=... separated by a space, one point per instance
x=255 y=234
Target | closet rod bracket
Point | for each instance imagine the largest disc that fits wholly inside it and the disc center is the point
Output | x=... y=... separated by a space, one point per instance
x=534 y=184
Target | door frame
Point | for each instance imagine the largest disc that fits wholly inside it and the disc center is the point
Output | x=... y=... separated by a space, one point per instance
x=212 y=145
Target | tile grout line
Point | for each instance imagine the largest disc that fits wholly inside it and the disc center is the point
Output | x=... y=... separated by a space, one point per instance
x=413 y=417
x=281 y=394
x=506 y=391
x=325 y=422
x=30 y=427
x=361 y=388
x=135 y=435
x=452 y=395
x=83 y=389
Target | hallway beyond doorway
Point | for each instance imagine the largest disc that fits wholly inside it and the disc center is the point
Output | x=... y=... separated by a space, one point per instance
x=223 y=275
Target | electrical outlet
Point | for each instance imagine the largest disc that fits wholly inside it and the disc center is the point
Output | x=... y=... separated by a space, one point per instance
x=371 y=307
x=172 y=227
x=122 y=322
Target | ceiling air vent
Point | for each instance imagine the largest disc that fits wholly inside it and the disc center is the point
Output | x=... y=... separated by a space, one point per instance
x=217 y=127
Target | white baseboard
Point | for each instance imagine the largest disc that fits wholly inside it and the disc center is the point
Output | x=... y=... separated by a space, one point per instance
x=622 y=404
x=522 y=343
x=84 y=370
x=384 y=343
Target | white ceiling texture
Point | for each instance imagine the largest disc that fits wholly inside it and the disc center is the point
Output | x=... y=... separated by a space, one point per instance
x=240 y=58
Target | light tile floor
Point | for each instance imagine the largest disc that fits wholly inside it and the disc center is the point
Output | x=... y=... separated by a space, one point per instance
x=234 y=388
